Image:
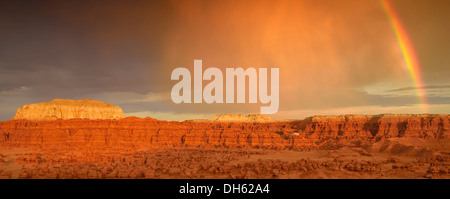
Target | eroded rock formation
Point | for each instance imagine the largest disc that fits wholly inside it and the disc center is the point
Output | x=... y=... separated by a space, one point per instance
x=240 y=118
x=69 y=109
x=310 y=133
x=352 y=146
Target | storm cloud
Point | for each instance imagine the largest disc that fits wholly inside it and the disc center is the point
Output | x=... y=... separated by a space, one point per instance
x=332 y=55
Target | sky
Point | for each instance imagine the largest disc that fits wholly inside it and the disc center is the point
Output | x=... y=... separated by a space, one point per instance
x=334 y=57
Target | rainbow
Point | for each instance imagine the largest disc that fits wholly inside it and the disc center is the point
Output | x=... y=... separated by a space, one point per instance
x=409 y=56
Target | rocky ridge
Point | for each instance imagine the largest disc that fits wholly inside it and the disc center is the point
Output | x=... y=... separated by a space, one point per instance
x=69 y=109
x=310 y=133
x=240 y=118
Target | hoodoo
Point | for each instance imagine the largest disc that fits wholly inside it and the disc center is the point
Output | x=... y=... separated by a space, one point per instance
x=69 y=109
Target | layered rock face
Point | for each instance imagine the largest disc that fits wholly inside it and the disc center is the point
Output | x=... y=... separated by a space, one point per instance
x=138 y=132
x=310 y=133
x=240 y=118
x=69 y=109
x=379 y=126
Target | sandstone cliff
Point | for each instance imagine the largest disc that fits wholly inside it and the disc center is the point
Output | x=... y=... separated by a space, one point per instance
x=240 y=118
x=310 y=133
x=69 y=109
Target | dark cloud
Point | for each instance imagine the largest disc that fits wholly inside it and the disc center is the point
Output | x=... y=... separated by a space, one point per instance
x=121 y=51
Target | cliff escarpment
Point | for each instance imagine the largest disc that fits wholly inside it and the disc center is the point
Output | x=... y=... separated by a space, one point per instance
x=309 y=133
x=69 y=109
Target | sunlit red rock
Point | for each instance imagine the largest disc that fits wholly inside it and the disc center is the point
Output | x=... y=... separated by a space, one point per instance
x=147 y=132
x=347 y=146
